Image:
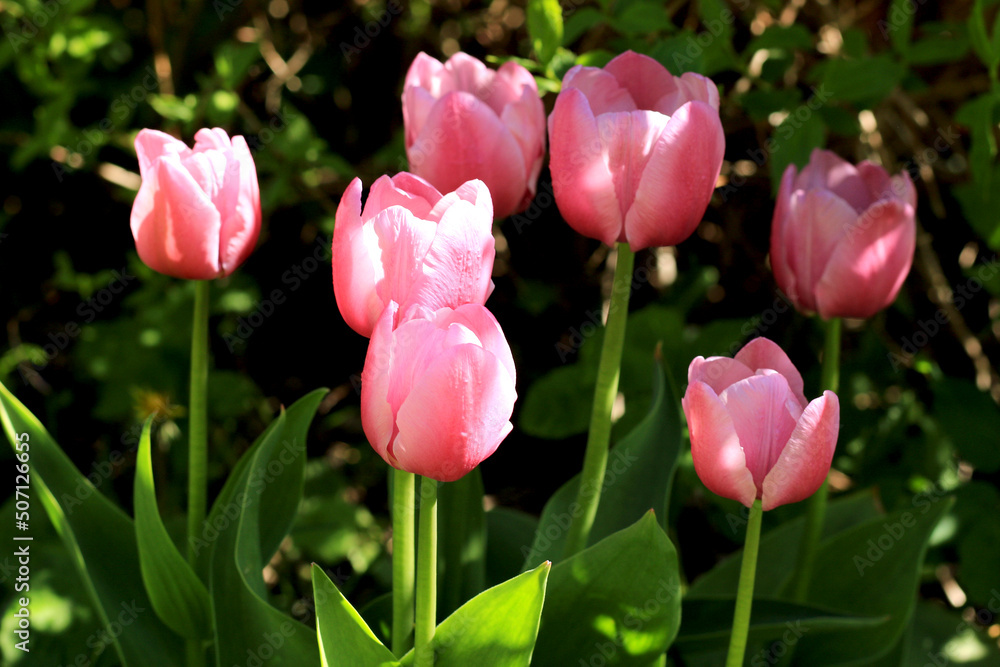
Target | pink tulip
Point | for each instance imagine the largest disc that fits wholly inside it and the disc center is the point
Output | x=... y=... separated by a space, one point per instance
x=437 y=392
x=635 y=151
x=753 y=436
x=464 y=121
x=842 y=239
x=413 y=246
x=197 y=214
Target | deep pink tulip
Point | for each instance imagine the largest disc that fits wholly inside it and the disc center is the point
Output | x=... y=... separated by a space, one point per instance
x=635 y=151
x=437 y=392
x=842 y=239
x=197 y=214
x=465 y=121
x=413 y=246
x=752 y=433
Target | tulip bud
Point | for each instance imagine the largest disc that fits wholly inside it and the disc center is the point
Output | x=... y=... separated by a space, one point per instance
x=413 y=246
x=635 y=151
x=197 y=214
x=842 y=239
x=753 y=436
x=465 y=121
x=437 y=392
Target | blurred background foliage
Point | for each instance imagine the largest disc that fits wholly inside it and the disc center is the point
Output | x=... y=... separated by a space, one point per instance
x=94 y=341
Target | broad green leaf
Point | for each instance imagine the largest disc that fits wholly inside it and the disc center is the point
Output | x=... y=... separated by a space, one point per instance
x=708 y=622
x=510 y=533
x=980 y=207
x=871 y=569
x=545 y=26
x=462 y=542
x=498 y=627
x=681 y=53
x=981 y=41
x=618 y=600
x=778 y=549
x=579 y=22
x=970 y=418
x=793 y=37
x=100 y=540
x=793 y=141
x=942 y=42
x=642 y=18
x=638 y=478
x=759 y=104
x=177 y=594
x=898 y=24
x=345 y=640
x=978 y=115
x=865 y=81
x=243 y=619
x=978 y=535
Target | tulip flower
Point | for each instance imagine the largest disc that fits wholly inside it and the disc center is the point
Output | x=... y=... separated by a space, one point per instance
x=753 y=436
x=413 y=246
x=465 y=121
x=843 y=237
x=635 y=151
x=437 y=391
x=197 y=214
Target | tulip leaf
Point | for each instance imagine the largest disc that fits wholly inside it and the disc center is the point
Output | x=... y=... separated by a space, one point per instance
x=865 y=81
x=179 y=598
x=545 y=26
x=898 y=24
x=345 y=640
x=871 y=569
x=101 y=542
x=258 y=491
x=638 y=477
x=509 y=533
x=617 y=601
x=793 y=141
x=462 y=545
x=498 y=627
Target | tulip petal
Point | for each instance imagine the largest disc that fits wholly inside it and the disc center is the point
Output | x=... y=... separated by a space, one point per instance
x=690 y=87
x=818 y=219
x=870 y=262
x=526 y=121
x=603 y=92
x=417 y=105
x=240 y=209
x=378 y=416
x=715 y=447
x=763 y=353
x=175 y=225
x=455 y=415
x=487 y=329
x=674 y=189
x=354 y=268
x=646 y=80
x=425 y=72
x=718 y=372
x=760 y=411
x=475 y=192
x=828 y=171
x=404 y=189
x=780 y=245
x=457 y=266
x=151 y=144
x=404 y=241
x=581 y=180
x=212 y=139
x=628 y=138
x=486 y=150
x=805 y=461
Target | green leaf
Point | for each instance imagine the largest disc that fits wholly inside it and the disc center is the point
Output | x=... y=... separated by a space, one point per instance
x=971 y=420
x=254 y=494
x=638 y=478
x=793 y=141
x=345 y=640
x=943 y=42
x=871 y=569
x=498 y=627
x=545 y=26
x=462 y=544
x=980 y=208
x=509 y=534
x=981 y=42
x=759 y=104
x=618 y=600
x=101 y=542
x=978 y=115
x=177 y=594
x=644 y=17
x=558 y=404
x=795 y=37
x=865 y=81
x=900 y=25
x=579 y=22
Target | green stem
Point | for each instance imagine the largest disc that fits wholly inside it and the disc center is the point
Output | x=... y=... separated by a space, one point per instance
x=426 y=619
x=816 y=508
x=595 y=459
x=403 y=533
x=744 y=595
x=198 y=438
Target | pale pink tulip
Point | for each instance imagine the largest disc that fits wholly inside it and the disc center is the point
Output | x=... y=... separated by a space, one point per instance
x=843 y=237
x=437 y=392
x=413 y=246
x=465 y=121
x=635 y=151
x=753 y=436
x=197 y=214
